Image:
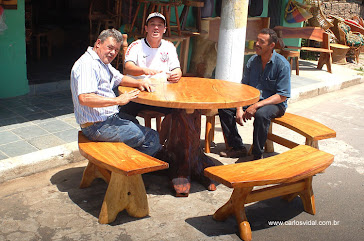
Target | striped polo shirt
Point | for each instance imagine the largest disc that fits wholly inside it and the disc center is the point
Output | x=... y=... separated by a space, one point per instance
x=90 y=75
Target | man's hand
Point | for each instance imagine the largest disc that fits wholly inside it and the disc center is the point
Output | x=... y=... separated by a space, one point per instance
x=124 y=98
x=145 y=86
x=249 y=113
x=147 y=71
x=239 y=116
x=175 y=76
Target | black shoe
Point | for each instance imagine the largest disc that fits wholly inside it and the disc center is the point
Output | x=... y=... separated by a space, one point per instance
x=234 y=153
x=258 y=157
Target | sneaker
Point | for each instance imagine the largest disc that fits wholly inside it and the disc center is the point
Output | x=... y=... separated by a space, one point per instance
x=234 y=153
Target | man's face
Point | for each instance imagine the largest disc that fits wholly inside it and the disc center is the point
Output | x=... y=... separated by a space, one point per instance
x=108 y=50
x=155 y=28
x=262 y=45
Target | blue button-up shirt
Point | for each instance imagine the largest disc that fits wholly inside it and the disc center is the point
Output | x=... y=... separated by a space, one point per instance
x=274 y=79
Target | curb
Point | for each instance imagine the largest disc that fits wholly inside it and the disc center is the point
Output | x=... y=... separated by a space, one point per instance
x=39 y=161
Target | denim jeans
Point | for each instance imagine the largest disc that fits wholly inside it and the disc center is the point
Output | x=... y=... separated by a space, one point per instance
x=125 y=129
x=262 y=120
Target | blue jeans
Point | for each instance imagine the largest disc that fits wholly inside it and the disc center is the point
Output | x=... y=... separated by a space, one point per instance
x=123 y=128
x=262 y=120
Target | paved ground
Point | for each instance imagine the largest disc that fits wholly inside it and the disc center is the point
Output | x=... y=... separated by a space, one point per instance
x=50 y=206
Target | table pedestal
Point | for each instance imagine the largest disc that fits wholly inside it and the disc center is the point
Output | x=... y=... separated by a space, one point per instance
x=180 y=134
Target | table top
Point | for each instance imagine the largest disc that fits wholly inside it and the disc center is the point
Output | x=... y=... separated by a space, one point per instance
x=197 y=93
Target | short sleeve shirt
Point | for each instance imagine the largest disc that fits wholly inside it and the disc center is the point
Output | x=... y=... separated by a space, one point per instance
x=90 y=75
x=275 y=79
x=163 y=58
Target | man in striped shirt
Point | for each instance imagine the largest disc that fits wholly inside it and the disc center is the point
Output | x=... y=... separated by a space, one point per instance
x=96 y=105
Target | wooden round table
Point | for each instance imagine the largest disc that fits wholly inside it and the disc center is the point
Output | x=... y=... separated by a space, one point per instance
x=180 y=133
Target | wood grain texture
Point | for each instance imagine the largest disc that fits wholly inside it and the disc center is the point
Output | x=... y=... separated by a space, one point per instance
x=296 y=164
x=197 y=93
x=118 y=157
x=306 y=127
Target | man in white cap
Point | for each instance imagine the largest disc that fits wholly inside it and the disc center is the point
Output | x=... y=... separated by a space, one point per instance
x=152 y=57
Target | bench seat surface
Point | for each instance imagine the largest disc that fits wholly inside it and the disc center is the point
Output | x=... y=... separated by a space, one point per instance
x=295 y=164
x=306 y=127
x=118 y=157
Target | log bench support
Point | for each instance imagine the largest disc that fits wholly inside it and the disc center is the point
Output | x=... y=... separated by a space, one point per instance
x=121 y=167
x=289 y=174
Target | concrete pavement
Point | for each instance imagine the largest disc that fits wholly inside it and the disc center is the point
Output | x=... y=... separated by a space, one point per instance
x=50 y=206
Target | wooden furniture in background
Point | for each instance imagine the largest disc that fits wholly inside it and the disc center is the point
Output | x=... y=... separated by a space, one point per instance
x=164 y=7
x=311 y=33
x=289 y=175
x=186 y=7
x=339 y=53
x=121 y=167
x=182 y=128
x=101 y=16
x=341 y=35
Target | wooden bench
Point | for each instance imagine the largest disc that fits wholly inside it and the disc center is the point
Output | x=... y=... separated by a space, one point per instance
x=311 y=33
x=290 y=173
x=121 y=167
x=312 y=130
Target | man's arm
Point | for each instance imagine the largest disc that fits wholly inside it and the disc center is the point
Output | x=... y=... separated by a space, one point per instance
x=93 y=100
x=272 y=100
x=140 y=84
x=133 y=69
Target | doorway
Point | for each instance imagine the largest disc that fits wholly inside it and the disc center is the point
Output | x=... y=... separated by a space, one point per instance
x=56 y=36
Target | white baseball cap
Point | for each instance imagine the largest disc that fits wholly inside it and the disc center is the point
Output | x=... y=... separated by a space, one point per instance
x=156 y=15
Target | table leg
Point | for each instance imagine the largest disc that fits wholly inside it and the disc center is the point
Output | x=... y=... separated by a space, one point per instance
x=180 y=135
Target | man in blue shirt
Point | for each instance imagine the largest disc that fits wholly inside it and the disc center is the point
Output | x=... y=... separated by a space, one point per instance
x=270 y=73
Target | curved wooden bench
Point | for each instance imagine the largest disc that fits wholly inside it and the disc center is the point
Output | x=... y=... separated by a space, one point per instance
x=291 y=171
x=121 y=167
x=312 y=130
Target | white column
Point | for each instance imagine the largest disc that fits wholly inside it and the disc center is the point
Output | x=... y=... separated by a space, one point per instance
x=231 y=45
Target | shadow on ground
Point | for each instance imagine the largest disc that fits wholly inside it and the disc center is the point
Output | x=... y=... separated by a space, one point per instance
x=258 y=215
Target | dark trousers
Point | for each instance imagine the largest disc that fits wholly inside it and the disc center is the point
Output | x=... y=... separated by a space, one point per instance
x=262 y=120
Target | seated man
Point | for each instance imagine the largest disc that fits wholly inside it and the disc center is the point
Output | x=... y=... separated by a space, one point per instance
x=95 y=104
x=152 y=57
x=271 y=74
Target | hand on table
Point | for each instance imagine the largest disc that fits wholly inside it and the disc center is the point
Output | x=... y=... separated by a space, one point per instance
x=173 y=78
x=125 y=97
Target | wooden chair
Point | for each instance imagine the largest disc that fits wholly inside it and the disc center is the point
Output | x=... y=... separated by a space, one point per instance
x=340 y=34
x=183 y=18
x=100 y=16
x=311 y=33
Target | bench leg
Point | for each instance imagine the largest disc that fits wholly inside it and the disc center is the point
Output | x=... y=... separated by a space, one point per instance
x=307 y=197
x=269 y=144
x=235 y=206
x=91 y=172
x=325 y=58
x=124 y=192
x=310 y=142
